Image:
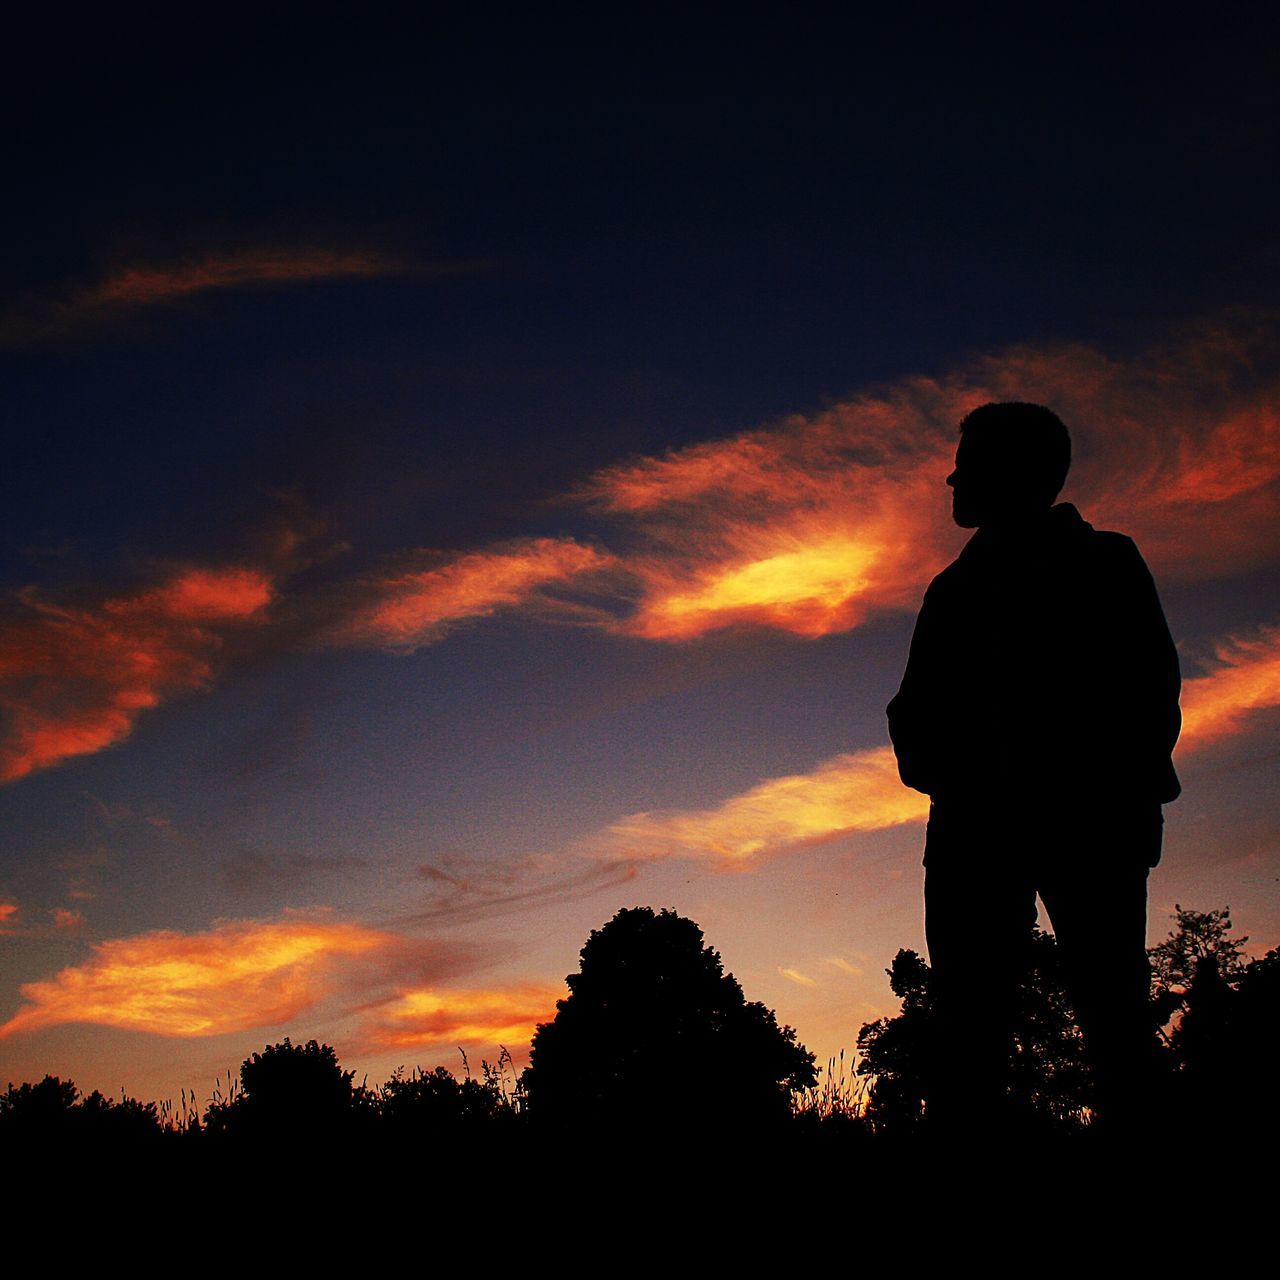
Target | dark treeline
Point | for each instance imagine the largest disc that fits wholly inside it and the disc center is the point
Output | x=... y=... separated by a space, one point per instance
x=655 y=1038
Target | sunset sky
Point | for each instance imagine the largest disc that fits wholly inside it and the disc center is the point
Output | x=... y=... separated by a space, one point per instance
x=464 y=478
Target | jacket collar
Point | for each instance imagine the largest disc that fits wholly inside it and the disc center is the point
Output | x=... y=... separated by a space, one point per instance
x=1054 y=524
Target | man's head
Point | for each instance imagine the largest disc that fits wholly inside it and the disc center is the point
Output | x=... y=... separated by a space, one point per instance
x=1012 y=462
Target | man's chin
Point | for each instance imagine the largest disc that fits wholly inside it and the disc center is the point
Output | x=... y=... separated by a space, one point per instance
x=964 y=518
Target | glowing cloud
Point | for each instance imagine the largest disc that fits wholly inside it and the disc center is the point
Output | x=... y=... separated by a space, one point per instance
x=809 y=525
x=238 y=975
x=407 y=610
x=73 y=680
x=151 y=285
x=854 y=792
x=135 y=287
x=861 y=791
x=499 y=1015
x=1247 y=679
x=796 y=976
x=8 y=910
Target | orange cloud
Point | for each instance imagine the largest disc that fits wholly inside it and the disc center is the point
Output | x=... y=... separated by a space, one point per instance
x=859 y=791
x=132 y=288
x=799 y=978
x=239 y=975
x=65 y=918
x=73 y=680
x=1247 y=679
x=430 y=1016
x=151 y=285
x=7 y=912
x=809 y=525
x=406 y=610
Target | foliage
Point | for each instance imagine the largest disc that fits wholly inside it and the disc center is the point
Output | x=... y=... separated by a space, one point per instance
x=53 y=1111
x=1048 y=1076
x=654 y=1030
x=1222 y=1017
x=836 y=1103
x=1200 y=942
x=654 y=1035
x=439 y=1104
x=892 y=1050
x=288 y=1090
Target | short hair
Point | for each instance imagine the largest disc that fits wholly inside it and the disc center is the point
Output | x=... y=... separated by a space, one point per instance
x=1030 y=440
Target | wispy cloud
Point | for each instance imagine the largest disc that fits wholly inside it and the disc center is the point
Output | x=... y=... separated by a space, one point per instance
x=147 y=285
x=425 y=1016
x=409 y=608
x=238 y=975
x=135 y=286
x=796 y=976
x=810 y=525
x=8 y=915
x=1246 y=679
x=813 y=524
x=74 y=678
x=859 y=791
x=466 y=890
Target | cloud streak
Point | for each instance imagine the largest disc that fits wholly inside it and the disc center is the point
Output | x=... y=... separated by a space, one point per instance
x=152 y=285
x=238 y=975
x=1246 y=679
x=74 y=679
x=858 y=791
x=426 y=1016
x=139 y=286
x=811 y=525
x=467 y=890
x=411 y=608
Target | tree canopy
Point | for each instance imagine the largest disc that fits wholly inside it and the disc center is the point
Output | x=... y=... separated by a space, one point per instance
x=654 y=1028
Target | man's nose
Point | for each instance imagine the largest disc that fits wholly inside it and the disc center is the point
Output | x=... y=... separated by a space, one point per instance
x=951 y=479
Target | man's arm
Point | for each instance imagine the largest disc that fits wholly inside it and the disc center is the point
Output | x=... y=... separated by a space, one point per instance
x=1148 y=680
x=913 y=711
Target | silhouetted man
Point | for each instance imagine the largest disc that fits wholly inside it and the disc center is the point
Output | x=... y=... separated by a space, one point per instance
x=1038 y=711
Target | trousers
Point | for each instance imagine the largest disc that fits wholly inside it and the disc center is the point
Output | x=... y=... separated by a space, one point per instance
x=984 y=868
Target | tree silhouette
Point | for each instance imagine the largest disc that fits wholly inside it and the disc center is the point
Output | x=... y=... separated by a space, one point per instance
x=291 y=1091
x=1048 y=1079
x=1223 y=1025
x=1200 y=937
x=655 y=1032
x=438 y=1105
x=52 y=1113
x=893 y=1050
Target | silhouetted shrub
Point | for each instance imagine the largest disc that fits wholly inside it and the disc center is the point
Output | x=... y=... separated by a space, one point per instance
x=52 y=1113
x=1049 y=1081
x=436 y=1104
x=654 y=1033
x=292 y=1091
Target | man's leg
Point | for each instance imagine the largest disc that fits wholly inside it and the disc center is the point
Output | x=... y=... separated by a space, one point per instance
x=1096 y=897
x=979 y=912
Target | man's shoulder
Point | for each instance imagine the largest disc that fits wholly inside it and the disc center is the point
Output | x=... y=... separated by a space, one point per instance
x=1116 y=550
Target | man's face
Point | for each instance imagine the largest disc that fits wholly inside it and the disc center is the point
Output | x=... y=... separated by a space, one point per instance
x=977 y=486
x=990 y=487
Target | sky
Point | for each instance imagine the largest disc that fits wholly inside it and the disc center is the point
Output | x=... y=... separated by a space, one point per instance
x=466 y=477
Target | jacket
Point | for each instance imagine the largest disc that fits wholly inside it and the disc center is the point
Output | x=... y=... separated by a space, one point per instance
x=1041 y=672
